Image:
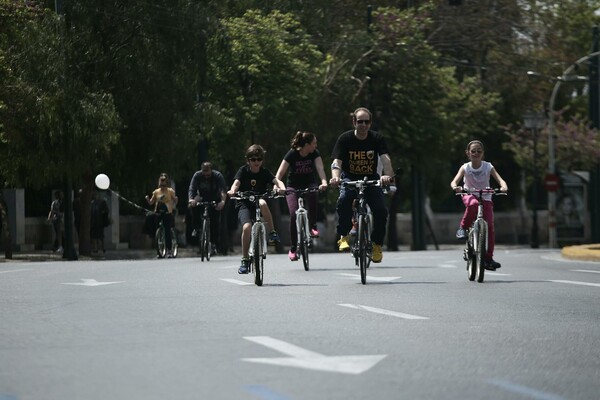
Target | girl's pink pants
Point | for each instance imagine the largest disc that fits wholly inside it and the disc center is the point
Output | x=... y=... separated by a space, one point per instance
x=471 y=203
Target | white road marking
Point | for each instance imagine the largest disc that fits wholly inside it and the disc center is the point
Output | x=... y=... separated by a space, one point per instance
x=372 y=278
x=382 y=311
x=524 y=390
x=306 y=359
x=496 y=273
x=586 y=270
x=446 y=266
x=91 y=282
x=15 y=270
x=577 y=283
x=237 y=282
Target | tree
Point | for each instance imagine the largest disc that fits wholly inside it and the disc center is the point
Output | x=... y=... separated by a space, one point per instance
x=55 y=128
x=265 y=79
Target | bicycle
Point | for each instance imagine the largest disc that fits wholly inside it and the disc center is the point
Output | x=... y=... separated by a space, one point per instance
x=304 y=241
x=258 y=238
x=362 y=248
x=161 y=241
x=204 y=242
x=476 y=244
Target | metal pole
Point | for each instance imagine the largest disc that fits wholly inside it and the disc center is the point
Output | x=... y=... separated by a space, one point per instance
x=552 y=242
x=535 y=241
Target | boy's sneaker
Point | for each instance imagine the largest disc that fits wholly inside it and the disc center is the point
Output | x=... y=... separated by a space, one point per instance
x=59 y=250
x=314 y=233
x=273 y=238
x=377 y=255
x=461 y=233
x=244 y=267
x=344 y=243
x=491 y=264
x=293 y=255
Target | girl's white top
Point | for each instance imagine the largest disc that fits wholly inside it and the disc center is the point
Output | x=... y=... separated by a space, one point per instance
x=478 y=178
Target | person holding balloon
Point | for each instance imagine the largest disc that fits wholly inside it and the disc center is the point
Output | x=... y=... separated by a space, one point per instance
x=164 y=200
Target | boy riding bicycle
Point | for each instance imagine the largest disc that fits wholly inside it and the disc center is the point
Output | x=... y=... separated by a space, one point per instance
x=254 y=177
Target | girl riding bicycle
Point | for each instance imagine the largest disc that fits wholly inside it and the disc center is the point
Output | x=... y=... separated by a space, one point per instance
x=164 y=199
x=476 y=175
x=303 y=160
x=254 y=177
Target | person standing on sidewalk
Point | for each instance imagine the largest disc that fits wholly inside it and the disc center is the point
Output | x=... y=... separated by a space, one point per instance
x=56 y=217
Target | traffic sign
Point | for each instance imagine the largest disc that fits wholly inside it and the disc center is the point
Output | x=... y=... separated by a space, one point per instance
x=551 y=182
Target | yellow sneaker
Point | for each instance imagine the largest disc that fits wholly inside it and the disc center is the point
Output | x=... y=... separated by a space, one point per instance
x=377 y=253
x=343 y=243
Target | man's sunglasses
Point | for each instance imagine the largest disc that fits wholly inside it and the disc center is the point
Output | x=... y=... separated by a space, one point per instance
x=363 y=121
x=254 y=159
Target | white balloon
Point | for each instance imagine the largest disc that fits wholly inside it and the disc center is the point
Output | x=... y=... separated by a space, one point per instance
x=102 y=181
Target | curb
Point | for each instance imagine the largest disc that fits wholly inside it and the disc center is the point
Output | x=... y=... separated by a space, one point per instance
x=588 y=252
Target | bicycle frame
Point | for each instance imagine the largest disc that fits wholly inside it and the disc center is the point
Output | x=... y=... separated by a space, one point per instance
x=204 y=242
x=258 y=237
x=160 y=239
x=477 y=241
x=304 y=240
x=362 y=248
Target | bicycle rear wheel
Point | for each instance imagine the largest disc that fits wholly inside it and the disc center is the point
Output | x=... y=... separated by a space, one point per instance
x=160 y=241
x=480 y=251
x=303 y=244
x=257 y=258
x=362 y=248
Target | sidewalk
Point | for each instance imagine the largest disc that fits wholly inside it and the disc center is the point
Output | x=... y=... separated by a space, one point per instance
x=586 y=252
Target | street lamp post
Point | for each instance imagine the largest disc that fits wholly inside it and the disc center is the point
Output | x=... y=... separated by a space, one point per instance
x=535 y=122
x=565 y=77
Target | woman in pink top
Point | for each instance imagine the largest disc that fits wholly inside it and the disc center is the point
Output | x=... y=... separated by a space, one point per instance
x=476 y=175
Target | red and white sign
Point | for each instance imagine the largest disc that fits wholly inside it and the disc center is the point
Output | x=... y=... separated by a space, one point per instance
x=551 y=182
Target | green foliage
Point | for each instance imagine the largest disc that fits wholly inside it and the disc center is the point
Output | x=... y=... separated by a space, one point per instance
x=264 y=76
x=445 y=114
x=135 y=88
x=53 y=126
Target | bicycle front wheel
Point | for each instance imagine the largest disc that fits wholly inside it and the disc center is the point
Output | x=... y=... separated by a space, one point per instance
x=161 y=242
x=469 y=254
x=257 y=257
x=205 y=242
x=303 y=244
x=174 y=244
x=480 y=251
x=362 y=248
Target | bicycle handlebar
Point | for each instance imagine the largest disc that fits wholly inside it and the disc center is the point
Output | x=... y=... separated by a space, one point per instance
x=205 y=203
x=253 y=196
x=493 y=191
x=302 y=191
x=362 y=182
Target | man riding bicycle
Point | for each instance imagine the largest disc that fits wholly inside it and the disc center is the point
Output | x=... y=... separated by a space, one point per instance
x=355 y=155
x=207 y=184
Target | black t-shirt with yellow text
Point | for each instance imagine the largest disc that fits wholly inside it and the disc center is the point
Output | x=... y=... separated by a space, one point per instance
x=359 y=157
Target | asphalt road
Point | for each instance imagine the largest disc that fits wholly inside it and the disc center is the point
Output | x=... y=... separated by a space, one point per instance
x=183 y=329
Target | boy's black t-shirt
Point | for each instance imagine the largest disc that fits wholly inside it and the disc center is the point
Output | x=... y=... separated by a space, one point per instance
x=259 y=182
x=359 y=157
